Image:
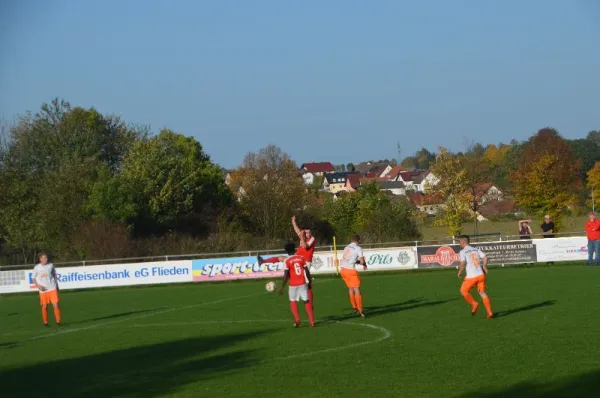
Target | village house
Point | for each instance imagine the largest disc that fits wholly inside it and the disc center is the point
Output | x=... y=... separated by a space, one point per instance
x=310 y=171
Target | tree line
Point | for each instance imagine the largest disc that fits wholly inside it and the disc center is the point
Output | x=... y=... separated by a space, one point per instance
x=546 y=174
x=82 y=185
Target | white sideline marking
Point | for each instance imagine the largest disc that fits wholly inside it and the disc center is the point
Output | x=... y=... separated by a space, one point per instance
x=97 y=325
x=385 y=333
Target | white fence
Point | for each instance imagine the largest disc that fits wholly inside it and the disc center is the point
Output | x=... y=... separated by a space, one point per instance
x=231 y=268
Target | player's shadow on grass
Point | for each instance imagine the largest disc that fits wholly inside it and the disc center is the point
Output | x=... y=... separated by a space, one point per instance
x=581 y=386
x=149 y=370
x=392 y=308
x=116 y=316
x=530 y=307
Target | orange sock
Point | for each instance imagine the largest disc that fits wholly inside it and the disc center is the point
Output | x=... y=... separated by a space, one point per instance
x=488 y=305
x=45 y=315
x=359 y=305
x=310 y=297
x=352 y=300
x=469 y=299
x=57 y=314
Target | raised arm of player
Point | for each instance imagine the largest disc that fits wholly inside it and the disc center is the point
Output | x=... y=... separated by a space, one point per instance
x=296 y=228
x=286 y=277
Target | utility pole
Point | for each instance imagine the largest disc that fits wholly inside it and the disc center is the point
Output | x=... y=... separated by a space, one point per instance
x=399 y=152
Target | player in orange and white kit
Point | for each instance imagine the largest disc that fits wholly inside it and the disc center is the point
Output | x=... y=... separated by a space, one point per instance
x=475 y=262
x=44 y=278
x=353 y=255
x=298 y=275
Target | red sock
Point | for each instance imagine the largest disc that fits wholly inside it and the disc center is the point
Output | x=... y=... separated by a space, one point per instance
x=57 y=314
x=294 y=308
x=488 y=305
x=310 y=297
x=309 y=311
x=272 y=260
x=45 y=315
x=352 y=300
x=358 y=298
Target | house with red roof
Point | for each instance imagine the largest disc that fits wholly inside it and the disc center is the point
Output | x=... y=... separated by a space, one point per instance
x=312 y=170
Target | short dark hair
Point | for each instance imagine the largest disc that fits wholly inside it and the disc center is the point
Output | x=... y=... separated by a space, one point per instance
x=465 y=237
x=290 y=248
x=356 y=238
x=42 y=254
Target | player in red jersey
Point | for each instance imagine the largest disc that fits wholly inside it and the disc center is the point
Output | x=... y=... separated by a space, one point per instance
x=306 y=250
x=298 y=275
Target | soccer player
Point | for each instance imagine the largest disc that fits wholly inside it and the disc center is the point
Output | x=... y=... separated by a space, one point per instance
x=475 y=262
x=353 y=255
x=306 y=249
x=298 y=276
x=44 y=278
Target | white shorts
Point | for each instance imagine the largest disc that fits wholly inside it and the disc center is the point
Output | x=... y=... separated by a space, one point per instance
x=298 y=293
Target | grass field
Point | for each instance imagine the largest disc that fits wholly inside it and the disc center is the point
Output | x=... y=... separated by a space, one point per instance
x=235 y=340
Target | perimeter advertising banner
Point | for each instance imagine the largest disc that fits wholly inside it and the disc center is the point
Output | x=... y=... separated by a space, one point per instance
x=561 y=249
x=512 y=252
x=103 y=276
x=219 y=269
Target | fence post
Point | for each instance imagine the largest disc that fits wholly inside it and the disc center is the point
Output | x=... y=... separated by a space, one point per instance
x=166 y=258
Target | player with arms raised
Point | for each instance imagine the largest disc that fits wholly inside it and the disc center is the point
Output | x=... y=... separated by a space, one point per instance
x=44 y=278
x=474 y=261
x=353 y=255
x=306 y=250
x=298 y=275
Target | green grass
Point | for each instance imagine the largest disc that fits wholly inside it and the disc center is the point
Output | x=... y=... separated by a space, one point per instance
x=570 y=224
x=234 y=340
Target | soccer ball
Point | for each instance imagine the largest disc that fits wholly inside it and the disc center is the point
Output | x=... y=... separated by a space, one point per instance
x=270 y=287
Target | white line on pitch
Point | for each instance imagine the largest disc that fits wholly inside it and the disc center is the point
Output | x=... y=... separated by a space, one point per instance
x=385 y=333
x=97 y=325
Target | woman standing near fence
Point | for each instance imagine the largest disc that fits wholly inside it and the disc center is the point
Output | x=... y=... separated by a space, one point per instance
x=525 y=230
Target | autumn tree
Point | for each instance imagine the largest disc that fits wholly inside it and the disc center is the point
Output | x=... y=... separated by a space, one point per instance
x=270 y=191
x=462 y=177
x=453 y=188
x=547 y=176
x=593 y=181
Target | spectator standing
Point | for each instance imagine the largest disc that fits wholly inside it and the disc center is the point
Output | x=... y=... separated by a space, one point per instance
x=548 y=227
x=592 y=227
x=525 y=230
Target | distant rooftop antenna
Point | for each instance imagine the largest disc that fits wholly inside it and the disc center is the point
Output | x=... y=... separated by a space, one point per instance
x=399 y=152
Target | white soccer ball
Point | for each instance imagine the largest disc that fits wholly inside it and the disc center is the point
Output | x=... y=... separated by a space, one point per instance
x=270 y=287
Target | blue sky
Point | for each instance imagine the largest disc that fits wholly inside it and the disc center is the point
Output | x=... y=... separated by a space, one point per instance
x=324 y=80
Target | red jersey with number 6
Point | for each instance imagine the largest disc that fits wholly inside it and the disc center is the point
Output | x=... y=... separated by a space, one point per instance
x=296 y=265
